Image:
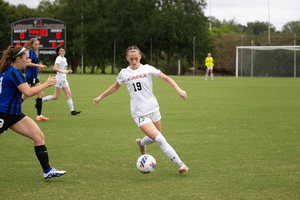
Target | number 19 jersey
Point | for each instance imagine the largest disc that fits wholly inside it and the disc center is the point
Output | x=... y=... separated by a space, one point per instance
x=140 y=87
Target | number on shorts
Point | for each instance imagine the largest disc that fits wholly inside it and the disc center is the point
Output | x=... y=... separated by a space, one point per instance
x=1 y=123
x=137 y=86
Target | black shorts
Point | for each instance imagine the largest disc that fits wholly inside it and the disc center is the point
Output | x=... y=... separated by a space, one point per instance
x=7 y=120
x=32 y=81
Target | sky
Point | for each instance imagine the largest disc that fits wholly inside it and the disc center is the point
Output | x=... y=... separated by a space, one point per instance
x=279 y=12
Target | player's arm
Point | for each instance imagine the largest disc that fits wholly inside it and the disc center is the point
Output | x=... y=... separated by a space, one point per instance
x=29 y=92
x=181 y=92
x=55 y=68
x=107 y=92
x=36 y=65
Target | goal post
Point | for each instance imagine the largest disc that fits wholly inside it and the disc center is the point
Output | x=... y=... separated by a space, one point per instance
x=268 y=61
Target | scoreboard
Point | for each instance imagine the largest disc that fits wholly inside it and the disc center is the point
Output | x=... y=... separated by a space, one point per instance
x=49 y=32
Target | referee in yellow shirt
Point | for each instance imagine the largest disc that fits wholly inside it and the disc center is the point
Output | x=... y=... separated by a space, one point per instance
x=209 y=63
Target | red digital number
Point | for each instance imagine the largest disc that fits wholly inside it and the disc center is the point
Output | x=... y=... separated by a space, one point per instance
x=53 y=45
x=43 y=32
x=18 y=44
x=21 y=36
x=58 y=35
x=61 y=43
x=38 y=32
x=34 y=32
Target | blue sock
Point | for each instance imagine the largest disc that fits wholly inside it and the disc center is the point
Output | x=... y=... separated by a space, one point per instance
x=47 y=170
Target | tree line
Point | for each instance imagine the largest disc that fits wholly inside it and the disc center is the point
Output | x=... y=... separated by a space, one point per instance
x=163 y=29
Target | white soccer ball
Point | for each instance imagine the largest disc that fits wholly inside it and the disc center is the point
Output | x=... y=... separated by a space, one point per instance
x=146 y=164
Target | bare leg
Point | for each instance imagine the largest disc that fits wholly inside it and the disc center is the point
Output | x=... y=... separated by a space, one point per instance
x=147 y=140
x=28 y=128
x=67 y=92
x=158 y=125
x=56 y=93
x=150 y=130
x=54 y=96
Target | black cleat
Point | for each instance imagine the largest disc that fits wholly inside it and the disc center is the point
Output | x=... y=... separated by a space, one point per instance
x=74 y=112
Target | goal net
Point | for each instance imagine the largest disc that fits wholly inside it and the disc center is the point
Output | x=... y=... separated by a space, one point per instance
x=268 y=61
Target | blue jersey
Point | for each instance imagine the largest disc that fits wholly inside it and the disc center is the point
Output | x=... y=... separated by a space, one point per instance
x=32 y=72
x=10 y=95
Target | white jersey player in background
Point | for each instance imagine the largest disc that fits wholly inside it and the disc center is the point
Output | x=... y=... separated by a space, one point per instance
x=143 y=105
x=60 y=66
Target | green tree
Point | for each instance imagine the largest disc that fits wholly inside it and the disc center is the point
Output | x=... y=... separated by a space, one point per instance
x=180 y=22
x=8 y=14
x=256 y=28
x=233 y=26
x=168 y=25
x=215 y=23
x=48 y=9
x=70 y=11
x=292 y=26
x=5 y=26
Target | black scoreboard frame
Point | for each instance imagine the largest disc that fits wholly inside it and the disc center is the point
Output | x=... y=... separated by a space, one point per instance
x=49 y=32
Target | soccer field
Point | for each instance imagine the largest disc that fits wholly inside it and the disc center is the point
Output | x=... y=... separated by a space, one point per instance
x=239 y=137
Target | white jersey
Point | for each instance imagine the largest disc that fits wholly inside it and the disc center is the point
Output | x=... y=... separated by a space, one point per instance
x=139 y=85
x=62 y=65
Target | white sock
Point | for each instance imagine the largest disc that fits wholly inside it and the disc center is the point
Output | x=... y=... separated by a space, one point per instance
x=167 y=149
x=206 y=76
x=70 y=104
x=47 y=98
x=211 y=76
x=146 y=141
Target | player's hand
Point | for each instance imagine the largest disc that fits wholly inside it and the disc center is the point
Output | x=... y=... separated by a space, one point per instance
x=51 y=81
x=183 y=94
x=68 y=71
x=43 y=66
x=96 y=100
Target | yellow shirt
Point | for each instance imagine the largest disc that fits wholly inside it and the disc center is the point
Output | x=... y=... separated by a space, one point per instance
x=209 y=62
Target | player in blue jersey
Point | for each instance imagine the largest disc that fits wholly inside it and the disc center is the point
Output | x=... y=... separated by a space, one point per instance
x=32 y=73
x=12 y=86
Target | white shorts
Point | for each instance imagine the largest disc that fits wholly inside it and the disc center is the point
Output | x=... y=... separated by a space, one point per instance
x=62 y=83
x=210 y=68
x=151 y=117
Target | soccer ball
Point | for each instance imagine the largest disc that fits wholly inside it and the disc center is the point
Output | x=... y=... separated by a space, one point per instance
x=146 y=164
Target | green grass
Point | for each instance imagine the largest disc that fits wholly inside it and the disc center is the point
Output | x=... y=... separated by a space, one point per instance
x=239 y=137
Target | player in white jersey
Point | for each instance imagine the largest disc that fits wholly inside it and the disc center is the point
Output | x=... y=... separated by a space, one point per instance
x=60 y=66
x=143 y=104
